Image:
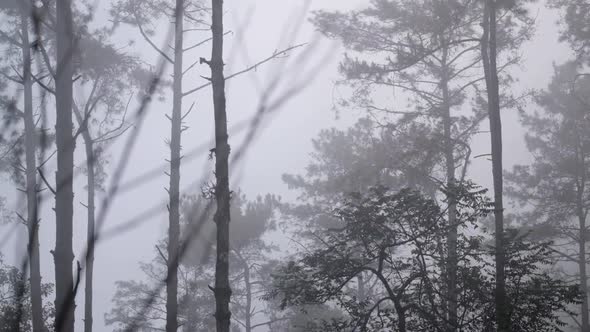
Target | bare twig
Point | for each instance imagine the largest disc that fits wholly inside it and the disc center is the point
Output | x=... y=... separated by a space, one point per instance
x=253 y=67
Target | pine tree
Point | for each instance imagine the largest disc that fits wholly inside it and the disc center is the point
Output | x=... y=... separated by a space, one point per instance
x=553 y=190
x=428 y=53
x=142 y=14
x=19 y=15
x=110 y=76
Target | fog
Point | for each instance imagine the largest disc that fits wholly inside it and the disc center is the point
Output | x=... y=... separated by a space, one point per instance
x=308 y=84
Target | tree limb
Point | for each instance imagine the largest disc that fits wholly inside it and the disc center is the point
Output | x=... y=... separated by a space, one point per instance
x=46 y=182
x=273 y=56
x=147 y=38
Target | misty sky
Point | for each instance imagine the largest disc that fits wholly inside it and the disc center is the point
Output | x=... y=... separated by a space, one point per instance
x=282 y=147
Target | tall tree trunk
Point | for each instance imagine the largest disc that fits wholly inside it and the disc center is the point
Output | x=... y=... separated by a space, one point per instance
x=489 y=56
x=583 y=272
x=401 y=315
x=174 y=190
x=449 y=148
x=63 y=254
x=222 y=195
x=248 y=286
x=192 y=319
x=91 y=183
x=88 y=291
x=580 y=211
x=31 y=178
x=361 y=287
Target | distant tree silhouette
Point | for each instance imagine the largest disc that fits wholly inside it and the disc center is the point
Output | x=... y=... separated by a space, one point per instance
x=143 y=15
x=553 y=189
x=394 y=237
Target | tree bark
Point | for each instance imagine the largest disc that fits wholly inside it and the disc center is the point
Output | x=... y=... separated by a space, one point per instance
x=401 y=316
x=248 y=286
x=581 y=212
x=31 y=179
x=449 y=148
x=583 y=272
x=91 y=183
x=192 y=319
x=489 y=56
x=361 y=287
x=174 y=189
x=88 y=292
x=222 y=288
x=63 y=254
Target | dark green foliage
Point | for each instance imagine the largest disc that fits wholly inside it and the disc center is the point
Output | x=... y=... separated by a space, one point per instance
x=537 y=299
x=552 y=191
x=11 y=279
x=250 y=254
x=194 y=299
x=362 y=156
x=380 y=233
x=559 y=141
x=414 y=49
x=393 y=238
x=575 y=15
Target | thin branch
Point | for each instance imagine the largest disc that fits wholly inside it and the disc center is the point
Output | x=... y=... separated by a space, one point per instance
x=203 y=42
x=11 y=78
x=104 y=137
x=12 y=147
x=188 y=112
x=10 y=39
x=43 y=85
x=162 y=254
x=154 y=46
x=47 y=159
x=564 y=255
x=46 y=182
x=273 y=56
x=46 y=58
x=270 y=322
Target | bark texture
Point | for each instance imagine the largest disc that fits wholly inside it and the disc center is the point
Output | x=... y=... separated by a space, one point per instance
x=489 y=56
x=582 y=213
x=174 y=189
x=31 y=180
x=583 y=273
x=89 y=146
x=222 y=288
x=449 y=148
x=63 y=255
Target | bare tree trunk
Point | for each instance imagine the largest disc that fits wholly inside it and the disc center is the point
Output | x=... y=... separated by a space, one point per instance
x=361 y=287
x=192 y=307
x=583 y=272
x=91 y=182
x=31 y=178
x=489 y=54
x=222 y=194
x=174 y=190
x=248 y=285
x=401 y=316
x=63 y=255
x=449 y=148
x=580 y=211
x=90 y=161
